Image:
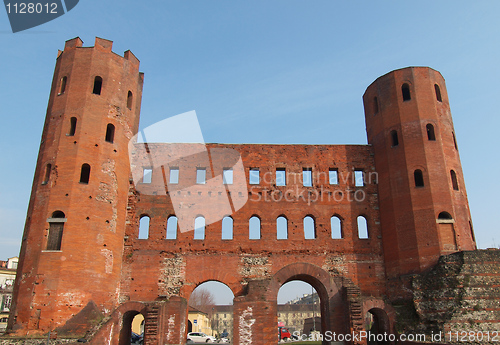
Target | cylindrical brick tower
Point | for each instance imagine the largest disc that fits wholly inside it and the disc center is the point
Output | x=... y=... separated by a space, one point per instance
x=423 y=203
x=72 y=245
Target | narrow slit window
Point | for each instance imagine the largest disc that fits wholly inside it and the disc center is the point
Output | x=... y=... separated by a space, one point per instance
x=454 y=140
x=110 y=133
x=254 y=176
x=174 y=176
x=454 y=181
x=359 y=178
x=144 y=228
x=129 y=99
x=227 y=228
x=309 y=228
x=281 y=228
x=394 y=138
x=97 y=85
x=405 y=89
x=375 y=106
x=62 y=86
x=48 y=169
x=281 y=177
x=254 y=228
x=336 y=226
x=333 y=176
x=431 y=135
x=147 y=175
x=201 y=175
x=172 y=228
x=438 y=93
x=85 y=173
x=362 y=228
x=72 y=128
x=56 y=227
x=307 y=177
x=199 y=228
x=419 y=178
x=227 y=176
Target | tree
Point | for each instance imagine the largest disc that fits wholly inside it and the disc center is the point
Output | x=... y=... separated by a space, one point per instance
x=203 y=300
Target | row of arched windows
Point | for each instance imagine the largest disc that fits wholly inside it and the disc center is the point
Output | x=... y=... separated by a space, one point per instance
x=85 y=170
x=254 y=228
x=429 y=128
x=110 y=130
x=406 y=95
x=405 y=92
x=84 y=173
x=419 y=179
x=96 y=89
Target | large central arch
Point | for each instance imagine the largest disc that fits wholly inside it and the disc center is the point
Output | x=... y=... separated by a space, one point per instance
x=331 y=304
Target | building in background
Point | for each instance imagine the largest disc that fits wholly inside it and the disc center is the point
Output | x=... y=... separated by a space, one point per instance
x=199 y=321
x=222 y=319
x=8 y=271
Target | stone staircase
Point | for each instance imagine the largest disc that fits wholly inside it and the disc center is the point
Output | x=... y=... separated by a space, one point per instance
x=151 y=325
x=353 y=298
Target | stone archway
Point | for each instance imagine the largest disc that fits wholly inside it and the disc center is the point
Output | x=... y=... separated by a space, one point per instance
x=379 y=319
x=331 y=304
x=256 y=312
x=127 y=312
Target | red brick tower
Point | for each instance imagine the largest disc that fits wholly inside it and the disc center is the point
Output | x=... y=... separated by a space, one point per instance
x=423 y=203
x=73 y=239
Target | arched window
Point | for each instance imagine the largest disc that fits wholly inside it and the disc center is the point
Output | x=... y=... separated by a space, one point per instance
x=454 y=141
x=454 y=181
x=430 y=132
x=445 y=215
x=281 y=228
x=172 y=228
x=48 y=169
x=56 y=227
x=309 y=228
x=72 y=128
x=254 y=228
x=375 y=105
x=129 y=100
x=97 y=85
x=110 y=133
x=199 y=228
x=362 y=228
x=144 y=227
x=405 y=89
x=85 y=173
x=227 y=228
x=394 y=138
x=419 y=178
x=438 y=92
x=336 y=225
x=62 y=85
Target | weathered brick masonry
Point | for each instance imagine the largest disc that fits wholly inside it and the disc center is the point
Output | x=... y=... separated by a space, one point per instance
x=85 y=271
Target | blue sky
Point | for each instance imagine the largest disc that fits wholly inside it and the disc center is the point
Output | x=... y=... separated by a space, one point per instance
x=265 y=72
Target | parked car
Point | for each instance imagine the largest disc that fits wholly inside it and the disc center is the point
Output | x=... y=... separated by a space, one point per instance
x=199 y=337
x=284 y=334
